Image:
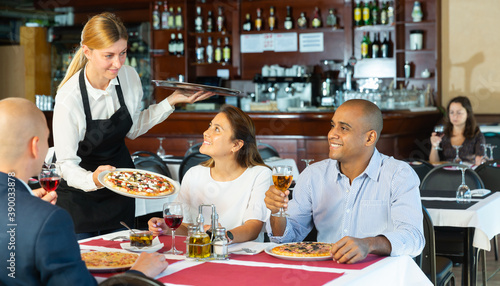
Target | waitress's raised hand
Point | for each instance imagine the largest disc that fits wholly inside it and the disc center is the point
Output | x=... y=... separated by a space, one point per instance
x=99 y=170
x=184 y=96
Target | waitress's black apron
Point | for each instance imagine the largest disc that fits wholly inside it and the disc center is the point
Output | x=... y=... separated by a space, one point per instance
x=103 y=144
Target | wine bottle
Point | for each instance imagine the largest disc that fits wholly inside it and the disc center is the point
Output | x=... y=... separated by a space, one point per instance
x=164 y=16
x=383 y=14
x=258 y=20
x=390 y=13
x=220 y=20
x=367 y=19
x=302 y=21
x=288 y=20
x=385 y=47
x=180 y=45
x=375 y=46
x=156 y=16
x=210 y=22
x=272 y=19
x=375 y=13
x=198 y=21
x=331 y=19
x=210 y=51
x=226 y=52
x=247 y=25
x=218 y=52
x=365 y=46
x=172 y=45
x=179 y=21
x=171 y=18
x=200 y=51
x=358 y=14
x=316 y=21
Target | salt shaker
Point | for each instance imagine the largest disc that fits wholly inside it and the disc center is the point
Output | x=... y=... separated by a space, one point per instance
x=220 y=243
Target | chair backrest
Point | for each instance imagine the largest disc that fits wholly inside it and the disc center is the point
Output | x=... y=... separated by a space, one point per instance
x=489 y=172
x=189 y=161
x=193 y=149
x=127 y=279
x=267 y=151
x=493 y=138
x=427 y=258
x=149 y=161
x=421 y=167
x=448 y=177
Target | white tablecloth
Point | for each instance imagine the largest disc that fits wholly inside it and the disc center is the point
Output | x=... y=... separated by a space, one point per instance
x=484 y=216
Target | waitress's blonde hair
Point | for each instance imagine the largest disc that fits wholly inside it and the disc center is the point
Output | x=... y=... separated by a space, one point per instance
x=100 y=32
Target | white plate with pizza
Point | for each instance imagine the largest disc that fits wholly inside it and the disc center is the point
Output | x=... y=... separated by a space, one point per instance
x=301 y=251
x=110 y=261
x=138 y=183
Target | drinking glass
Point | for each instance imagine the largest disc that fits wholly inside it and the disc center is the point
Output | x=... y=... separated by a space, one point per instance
x=161 y=152
x=463 y=192
x=173 y=215
x=485 y=157
x=307 y=161
x=49 y=177
x=282 y=178
x=491 y=150
x=457 y=158
x=439 y=129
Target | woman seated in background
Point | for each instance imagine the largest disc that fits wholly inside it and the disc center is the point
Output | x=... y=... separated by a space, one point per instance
x=460 y=129
x=235 y=179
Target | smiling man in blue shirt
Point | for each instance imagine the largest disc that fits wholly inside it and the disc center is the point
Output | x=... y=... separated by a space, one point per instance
x=361 y=200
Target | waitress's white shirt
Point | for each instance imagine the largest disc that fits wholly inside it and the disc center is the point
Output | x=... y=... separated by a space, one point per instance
x=69 y=125
x=236 y=201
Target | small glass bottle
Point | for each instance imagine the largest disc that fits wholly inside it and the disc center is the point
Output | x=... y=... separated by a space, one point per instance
x=218 y=52
x=272 y=19
x=200 y=51
x=407 y=69
x=226 y=51
x=171 y=18
x=258 y=20
x=198 y=21
x=192 y=228
x=288 y=20
x=331 y=19
x=200 y=242
x=210 y=51
x=180 y=45
x=302 y=21
x=316 y=21
x=358 y=18
x=220 y=20
x=156 y=16
x=172 y=45
x=164 y=16
x=210 y=22
x=179 y=21
x=416 y=13
x=220 y=243
x=247 y=26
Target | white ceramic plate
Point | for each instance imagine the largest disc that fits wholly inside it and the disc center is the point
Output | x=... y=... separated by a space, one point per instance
x=197 y=87
x=268 y=251
x=149 y=249
x=104 y=183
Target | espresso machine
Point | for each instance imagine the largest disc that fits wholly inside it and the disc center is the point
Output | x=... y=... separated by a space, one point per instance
x=330 y=83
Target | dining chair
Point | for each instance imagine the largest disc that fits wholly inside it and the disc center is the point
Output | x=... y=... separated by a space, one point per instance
x=421 y=167
x=267 y=151
x=189 y=161
x=193 y=149
x=438 y=269
x=149 y=161
x=450 y=241
x=127 y=279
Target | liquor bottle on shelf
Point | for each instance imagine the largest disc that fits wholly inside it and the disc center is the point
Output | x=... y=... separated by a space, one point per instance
x=383 y=14
x=302 y=21
x=200 y=51
x=365 y=46
x=358 y=18
x=288 y=24
x=385 y=47
x=179 y=21
x=198 y=21
x=316 y=21
x=390 y=13
x=171 y=18
x=367 y=19
x=164 y=16
x=407 y=69
x=272 y=19
x=375 y=13
x=258 y=20
x=247 y=25
x=180 y=45
x=210 y=51
x=210 y=22
x=218 y=52
x=376 y=46
x=331 y=19
x=416 y=13
x=172 y=45
x=156 y=16
x=226 y=51
x=220 y=20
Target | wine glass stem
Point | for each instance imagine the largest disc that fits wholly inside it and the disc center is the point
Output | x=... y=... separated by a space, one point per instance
x=173 y=241
x=463 y=176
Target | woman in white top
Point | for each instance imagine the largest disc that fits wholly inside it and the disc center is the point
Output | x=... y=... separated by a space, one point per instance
x=235 y=179
x=98 y=104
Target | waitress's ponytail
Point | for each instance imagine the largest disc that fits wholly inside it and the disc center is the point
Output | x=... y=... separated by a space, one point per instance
x=77 y=63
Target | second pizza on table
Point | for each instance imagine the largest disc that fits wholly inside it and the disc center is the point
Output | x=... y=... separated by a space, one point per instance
x=304 y=249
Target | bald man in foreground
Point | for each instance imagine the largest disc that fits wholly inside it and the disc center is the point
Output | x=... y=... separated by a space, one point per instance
x=360 y=200
x=38 y=246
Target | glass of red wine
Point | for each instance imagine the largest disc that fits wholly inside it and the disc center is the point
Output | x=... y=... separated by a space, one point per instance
x=49 y=177
x=439 y=129
x=172 y=213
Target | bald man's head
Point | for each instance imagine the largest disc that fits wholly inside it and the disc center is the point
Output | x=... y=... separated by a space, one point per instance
x=20 y=122
x=372 y=116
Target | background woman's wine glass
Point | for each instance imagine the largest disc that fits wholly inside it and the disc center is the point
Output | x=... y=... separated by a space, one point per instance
x=463 y=192
x=485 y=157
x=457 y=157
x=491 y=151
x=439 y=129
x=161 y=152
x=282 y=178
x=49 y=177
x=307 y=161
x=173 y=215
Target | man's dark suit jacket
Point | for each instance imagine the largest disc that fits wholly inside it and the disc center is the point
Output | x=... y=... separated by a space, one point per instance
x=37 y=241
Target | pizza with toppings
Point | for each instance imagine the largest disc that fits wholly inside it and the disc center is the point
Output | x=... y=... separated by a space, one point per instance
x=138 y=183
x=97 y=260
x=304 y=249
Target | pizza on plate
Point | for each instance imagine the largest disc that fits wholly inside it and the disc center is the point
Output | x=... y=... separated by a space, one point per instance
x=138 y=182
x=103 y=260
x=304 y=249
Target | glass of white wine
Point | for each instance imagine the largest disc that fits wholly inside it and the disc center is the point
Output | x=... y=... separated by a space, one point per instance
x=282 y=178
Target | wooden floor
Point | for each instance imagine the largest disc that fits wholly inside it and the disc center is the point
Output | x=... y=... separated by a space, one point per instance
x=492 y=271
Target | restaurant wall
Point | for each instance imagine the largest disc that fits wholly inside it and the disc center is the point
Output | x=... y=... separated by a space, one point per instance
x=471 y=53
x=12 y=71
